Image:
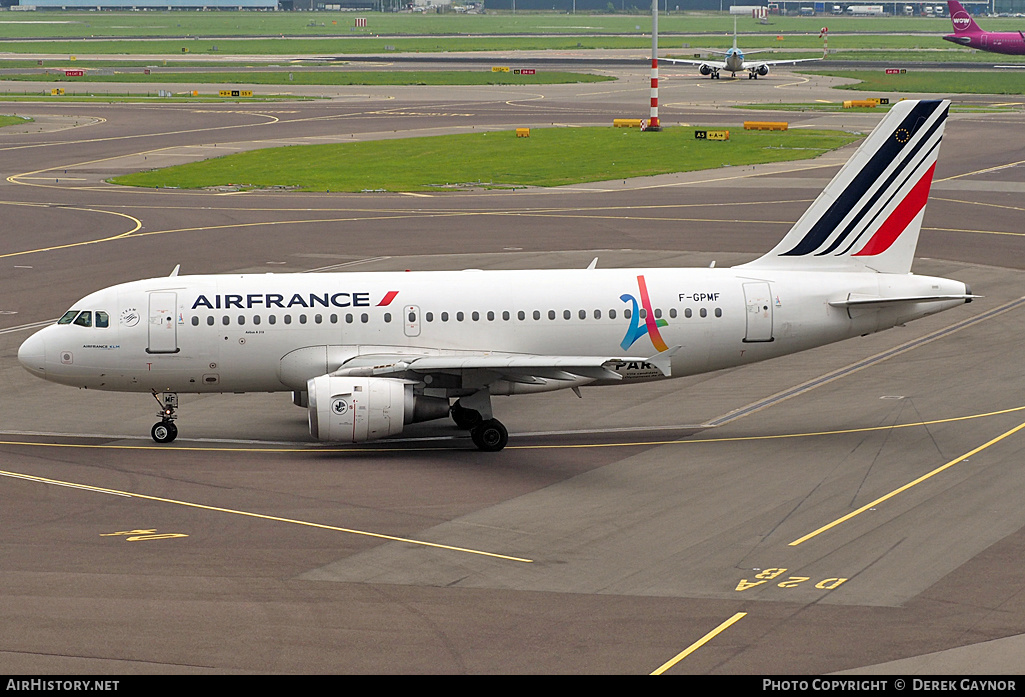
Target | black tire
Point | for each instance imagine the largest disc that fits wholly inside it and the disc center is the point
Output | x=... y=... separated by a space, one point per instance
x=164 y=431
x=490 y=436
x=466 y=419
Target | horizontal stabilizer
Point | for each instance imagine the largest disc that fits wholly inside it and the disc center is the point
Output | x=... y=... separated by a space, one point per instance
x=868 y=303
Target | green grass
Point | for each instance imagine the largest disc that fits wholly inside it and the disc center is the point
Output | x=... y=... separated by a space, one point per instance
x=95 y=96
x=932 y=82
x=323 y=77
x=61 y=25
x=838 y=107
x=549 y=157
x=274 y=34
x=13 y=120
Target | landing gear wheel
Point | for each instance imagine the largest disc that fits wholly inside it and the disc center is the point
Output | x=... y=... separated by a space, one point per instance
x=164 y=431
x=490 y=436
x=465 y=419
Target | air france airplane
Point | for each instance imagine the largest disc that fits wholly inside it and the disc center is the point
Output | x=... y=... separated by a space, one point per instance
x=368 y=353
x=734 y=62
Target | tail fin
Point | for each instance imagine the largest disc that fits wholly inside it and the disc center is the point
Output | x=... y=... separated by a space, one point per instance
x=962 y=21
x=869 y=216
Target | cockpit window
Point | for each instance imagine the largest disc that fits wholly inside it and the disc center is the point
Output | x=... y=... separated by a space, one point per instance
x=102 y=319
x=84 y=319
x=68 y=316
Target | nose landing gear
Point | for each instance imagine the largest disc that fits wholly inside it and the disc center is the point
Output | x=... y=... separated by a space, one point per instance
x=165 y=431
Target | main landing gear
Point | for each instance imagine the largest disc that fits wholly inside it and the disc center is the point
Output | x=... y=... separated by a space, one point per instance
x=165 y=431
x=488 y=434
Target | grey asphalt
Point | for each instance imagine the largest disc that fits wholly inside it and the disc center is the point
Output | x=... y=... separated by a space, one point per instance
x=616 y=530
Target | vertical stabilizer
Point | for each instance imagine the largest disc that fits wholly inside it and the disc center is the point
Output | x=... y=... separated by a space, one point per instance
x=869 y=216
x=962 y=21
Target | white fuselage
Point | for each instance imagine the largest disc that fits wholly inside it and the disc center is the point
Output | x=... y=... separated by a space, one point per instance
x=273 y=332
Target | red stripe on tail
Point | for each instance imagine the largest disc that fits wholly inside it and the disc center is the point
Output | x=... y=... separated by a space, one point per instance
x=901 y=217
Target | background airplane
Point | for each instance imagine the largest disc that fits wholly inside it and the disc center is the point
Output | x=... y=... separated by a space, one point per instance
x=735 y=62
x=967 y=33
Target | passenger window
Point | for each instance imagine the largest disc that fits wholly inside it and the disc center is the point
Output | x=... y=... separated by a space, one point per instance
x=718 y=312
x=195 y=321
x=551 y=314
x=364 y=318
x=688 y=313
x=241 y=319
x=302 y=319
x=68 y=317
x=288 y=319
x=537 y=314
x=521 y=315
x=475 y=315
x=459 y=316
x=444 y=317
x=318 y=318
x=256 y=319
x=272 y=319
x=704 y=312
x=210 y=320
x=672 y=313
x=627 y=313
x=84 y=319
x=612 y=314
x=566 y=314
x=103 y=319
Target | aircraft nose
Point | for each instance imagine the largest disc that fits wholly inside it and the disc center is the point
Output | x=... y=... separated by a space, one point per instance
x=32 y=354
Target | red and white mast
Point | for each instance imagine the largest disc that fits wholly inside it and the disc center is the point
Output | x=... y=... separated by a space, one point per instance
x=653 y=124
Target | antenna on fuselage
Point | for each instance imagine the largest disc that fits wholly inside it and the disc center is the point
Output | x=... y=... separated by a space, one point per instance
x=175 y=271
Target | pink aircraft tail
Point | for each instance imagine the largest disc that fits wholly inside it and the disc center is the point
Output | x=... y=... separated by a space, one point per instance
x=962 y=21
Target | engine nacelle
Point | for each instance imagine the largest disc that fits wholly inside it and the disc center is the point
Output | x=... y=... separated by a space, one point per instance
x=704 y=69
x=354 y=410
x=763 y=70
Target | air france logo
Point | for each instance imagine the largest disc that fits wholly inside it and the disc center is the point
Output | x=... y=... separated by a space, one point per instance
x=961 y=20
x=283 y=301
x=650 y=326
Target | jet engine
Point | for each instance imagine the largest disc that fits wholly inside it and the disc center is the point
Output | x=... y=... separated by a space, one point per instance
x=763 y=70
x=704 y=69
x=354 y=410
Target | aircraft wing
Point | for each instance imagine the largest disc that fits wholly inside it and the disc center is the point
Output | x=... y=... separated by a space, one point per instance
x=720 y=65
x=749 y=65
x=521 y=368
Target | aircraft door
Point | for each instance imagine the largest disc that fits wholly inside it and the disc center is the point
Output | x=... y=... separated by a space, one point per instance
x=163 y=331
x=411 y=320
x=758 y=300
